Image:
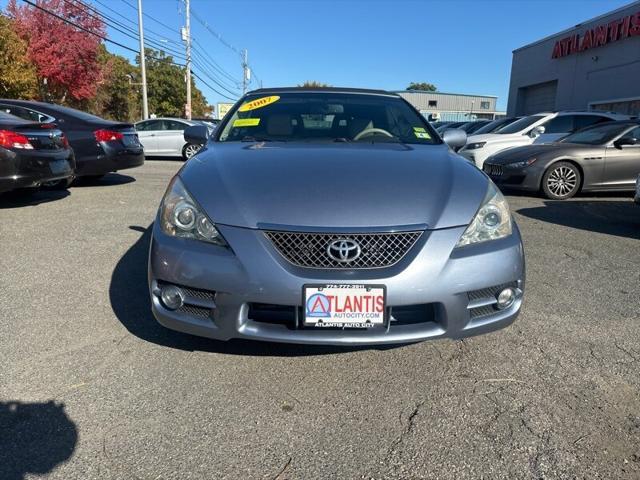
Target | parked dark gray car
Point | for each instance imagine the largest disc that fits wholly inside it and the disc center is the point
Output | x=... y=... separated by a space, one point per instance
x=333 y=216
x=602 y=157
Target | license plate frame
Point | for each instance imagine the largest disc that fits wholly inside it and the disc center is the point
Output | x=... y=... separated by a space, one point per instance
x=59 y=166
x=130 y=140
x=332 y=322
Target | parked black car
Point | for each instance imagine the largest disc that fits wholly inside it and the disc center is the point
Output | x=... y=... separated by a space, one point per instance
x=100 y=146
x=472 y=127
x=32 y=154
x=605 y=156
x=495 y=125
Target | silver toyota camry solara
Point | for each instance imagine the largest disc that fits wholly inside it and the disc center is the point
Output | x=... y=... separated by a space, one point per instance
x=333 y=216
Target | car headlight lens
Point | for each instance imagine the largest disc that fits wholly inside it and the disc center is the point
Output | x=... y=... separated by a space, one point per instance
x=181 y=216
x=492 y=221
x=526 y=163
x=475 y=146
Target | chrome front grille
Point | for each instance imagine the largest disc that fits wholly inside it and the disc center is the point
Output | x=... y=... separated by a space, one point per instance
x=493 y=170
x=310 y=250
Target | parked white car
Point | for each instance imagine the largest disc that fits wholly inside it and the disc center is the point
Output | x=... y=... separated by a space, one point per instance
x=163 y=137
x=540 y=128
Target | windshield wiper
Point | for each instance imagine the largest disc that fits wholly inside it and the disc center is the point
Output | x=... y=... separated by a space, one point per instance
x=250 y=138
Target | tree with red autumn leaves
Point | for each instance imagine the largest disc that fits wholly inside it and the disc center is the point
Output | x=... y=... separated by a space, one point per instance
x=66 y=57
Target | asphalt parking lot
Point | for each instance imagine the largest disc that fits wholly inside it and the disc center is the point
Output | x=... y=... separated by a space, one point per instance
x=92 y=387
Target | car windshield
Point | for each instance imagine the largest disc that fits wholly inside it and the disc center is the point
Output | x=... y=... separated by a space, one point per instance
x=493 y=127
x=326 y=117
x=596 y=135
x=473 y=127
x=521 y=124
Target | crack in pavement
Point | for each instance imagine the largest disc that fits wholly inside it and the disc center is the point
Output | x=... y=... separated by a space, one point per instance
x=407 y=429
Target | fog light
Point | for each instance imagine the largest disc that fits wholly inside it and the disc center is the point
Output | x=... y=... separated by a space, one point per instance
x=172 y=297
x=506 y=298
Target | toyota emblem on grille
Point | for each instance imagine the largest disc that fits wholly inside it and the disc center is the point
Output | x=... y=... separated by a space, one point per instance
x=343 y=250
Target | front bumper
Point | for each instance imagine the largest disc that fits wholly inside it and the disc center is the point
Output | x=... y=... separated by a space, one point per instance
x=32 y=168
x=227 y=286
x=476 y=155
x=525 y=178
x=110 y=159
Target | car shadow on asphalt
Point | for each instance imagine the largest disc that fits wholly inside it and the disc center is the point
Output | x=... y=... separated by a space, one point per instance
x=177 y=158
x=35 y=438
x=129 y=296
x=30 y=198
x=619 y=218
x=109 y=180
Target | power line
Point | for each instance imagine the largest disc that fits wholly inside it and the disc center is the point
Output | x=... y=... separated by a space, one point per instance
x=219 y=37
x=213 y=79
x=220 y=74
x=130 y=33
x=148 y=16
x=205 y=24
x=233 y=99
x=229 y=88
x=135 y=26
x=214 y=64
x=121 y=45
x=79 y=26
x=125 y=47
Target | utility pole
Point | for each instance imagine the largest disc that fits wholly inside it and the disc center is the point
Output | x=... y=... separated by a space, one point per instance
x=246 y=73
x=143 y=67
x=187 y=34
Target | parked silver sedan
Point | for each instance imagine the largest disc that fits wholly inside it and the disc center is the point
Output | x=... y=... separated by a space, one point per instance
x=163 y=137
x=333 y=216
x=636 y=198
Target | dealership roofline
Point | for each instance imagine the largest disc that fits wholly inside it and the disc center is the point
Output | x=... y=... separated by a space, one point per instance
x=570 y=29
x=443 y=93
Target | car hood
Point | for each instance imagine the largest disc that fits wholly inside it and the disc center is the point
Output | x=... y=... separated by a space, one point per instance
x=358 y=186
x=526 y=152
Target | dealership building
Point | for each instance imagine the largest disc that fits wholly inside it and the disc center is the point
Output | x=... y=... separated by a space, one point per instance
x=452 y=106
x=592 y=66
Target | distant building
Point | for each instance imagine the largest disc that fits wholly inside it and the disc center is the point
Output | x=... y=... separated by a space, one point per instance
x=452 y=106
x=592 y=66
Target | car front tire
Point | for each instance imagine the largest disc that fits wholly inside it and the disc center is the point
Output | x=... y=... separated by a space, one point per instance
x=561 y=181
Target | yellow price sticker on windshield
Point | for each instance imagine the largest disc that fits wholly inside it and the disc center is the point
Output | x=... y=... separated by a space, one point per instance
x=258 y=103
x=418 y=129
x=423 y=135
x=246 y=122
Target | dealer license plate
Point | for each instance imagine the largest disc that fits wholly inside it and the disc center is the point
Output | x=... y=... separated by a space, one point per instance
x=130 y=140
x=344 y=306
x=59 y=166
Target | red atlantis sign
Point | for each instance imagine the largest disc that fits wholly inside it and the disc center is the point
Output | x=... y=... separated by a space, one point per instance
x=601 y=35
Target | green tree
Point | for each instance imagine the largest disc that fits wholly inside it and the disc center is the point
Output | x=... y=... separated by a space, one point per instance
x=17 y=74
x=424 y=86
x=314 y=84
x=118 y=97
x=167 y=90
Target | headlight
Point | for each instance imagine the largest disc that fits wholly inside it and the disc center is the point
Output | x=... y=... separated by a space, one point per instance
x=526 y=163
x=492 y=221
x=474 y=146
x=181 y=216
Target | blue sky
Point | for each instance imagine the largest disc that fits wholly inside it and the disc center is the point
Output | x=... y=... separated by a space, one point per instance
x=461 y=46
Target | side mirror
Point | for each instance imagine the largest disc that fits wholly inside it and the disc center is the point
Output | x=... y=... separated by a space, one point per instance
x=197 y=134
x=455 y=138
x=537 y=131
x=621 y=142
